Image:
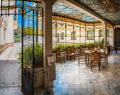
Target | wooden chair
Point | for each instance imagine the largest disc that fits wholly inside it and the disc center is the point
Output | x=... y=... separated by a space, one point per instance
x=104 y=56
x=60 y=56
x=72 y=49
x=98 y=47
x=51 y=69
x=81 y=55
x=95 y=60
x=90 y=49
x=70 y=53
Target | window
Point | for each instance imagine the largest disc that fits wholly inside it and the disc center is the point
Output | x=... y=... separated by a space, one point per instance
x=90 y=35
x=73 y=35
x=100 y=33
x=62 y=36
x=108 y=42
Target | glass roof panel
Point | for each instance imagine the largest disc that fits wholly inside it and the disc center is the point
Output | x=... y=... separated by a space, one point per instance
x=15 y=6
x=62 y=9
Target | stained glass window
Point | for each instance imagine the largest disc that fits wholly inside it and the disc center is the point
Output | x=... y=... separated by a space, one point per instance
x=100 y=33
x=73 y=35
x=62 y=36
x=90 y=34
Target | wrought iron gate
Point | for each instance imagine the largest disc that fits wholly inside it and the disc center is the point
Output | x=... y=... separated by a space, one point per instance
x=29 y=14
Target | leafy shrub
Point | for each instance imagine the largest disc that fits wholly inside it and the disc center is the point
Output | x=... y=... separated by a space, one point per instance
x=28 y=56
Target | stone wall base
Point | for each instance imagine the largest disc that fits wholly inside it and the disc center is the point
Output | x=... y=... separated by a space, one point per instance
x=5 y=46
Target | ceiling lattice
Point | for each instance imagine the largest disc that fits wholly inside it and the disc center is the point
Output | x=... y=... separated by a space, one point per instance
x=107 y=9
x=65 y=10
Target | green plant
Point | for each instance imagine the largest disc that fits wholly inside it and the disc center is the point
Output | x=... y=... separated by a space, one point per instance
x=61 y=46
x=102 y=43
x=28 y=56
x=76 y=45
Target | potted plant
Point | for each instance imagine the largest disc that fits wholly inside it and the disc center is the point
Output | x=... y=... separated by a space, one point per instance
x=28 y=66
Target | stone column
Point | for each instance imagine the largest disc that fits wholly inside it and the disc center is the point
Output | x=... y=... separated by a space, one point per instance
x=47 y=38
x=104 y=25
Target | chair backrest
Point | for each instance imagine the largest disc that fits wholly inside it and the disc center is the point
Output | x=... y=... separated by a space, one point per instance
x=72 y=49
x=81 y=50
x=98 y=47
x=68 y=50
x=106 y=51
x=96 y=56
x=90 y=47
x=57 y=51
x=50 y=60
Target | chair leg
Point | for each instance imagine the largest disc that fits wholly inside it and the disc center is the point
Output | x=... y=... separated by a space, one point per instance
x=107 y=61
x=99 y=65
x=91 y=68
x=70 y=58
x=61 y=60
x=56 y=59
x=91 y=65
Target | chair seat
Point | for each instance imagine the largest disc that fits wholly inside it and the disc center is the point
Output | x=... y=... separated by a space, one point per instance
x=95 y=61
x=82 y=57
x=68 y=54
x=72 y=53
x=102 y=56
x=61 y=56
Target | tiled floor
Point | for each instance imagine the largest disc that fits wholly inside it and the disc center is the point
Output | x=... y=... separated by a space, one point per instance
x=77 y=79
x=10 y=91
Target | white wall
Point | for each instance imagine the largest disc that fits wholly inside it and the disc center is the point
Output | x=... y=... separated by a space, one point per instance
x=10 y=31
x=6 y=29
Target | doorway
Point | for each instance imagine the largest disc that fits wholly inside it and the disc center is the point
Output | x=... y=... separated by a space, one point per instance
x=28 y=15
x=117 y=37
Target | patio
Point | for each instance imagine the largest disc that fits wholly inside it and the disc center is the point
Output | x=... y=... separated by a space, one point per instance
x=74 y=79
x=44 y=25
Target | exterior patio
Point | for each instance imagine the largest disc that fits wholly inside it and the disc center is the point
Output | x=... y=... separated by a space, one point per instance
x=42 y=27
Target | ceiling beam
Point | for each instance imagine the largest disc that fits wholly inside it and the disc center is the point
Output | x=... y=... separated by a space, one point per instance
x=84 y=9
x=116 y=26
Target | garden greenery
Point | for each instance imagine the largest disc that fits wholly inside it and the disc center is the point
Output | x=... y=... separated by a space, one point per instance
x=77 y=45
x=28 y=56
